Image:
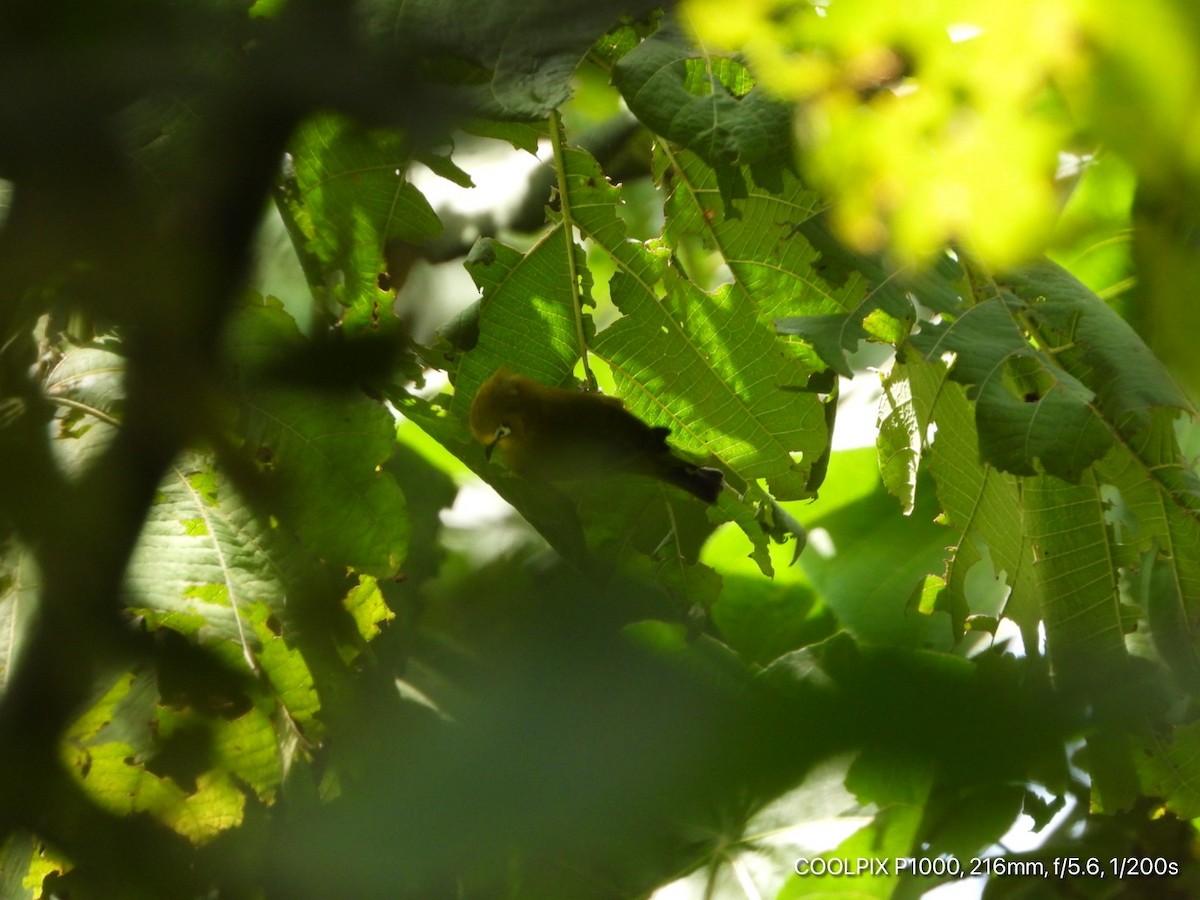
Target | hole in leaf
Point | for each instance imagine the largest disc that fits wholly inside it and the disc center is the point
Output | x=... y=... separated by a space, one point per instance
x=1026 y=378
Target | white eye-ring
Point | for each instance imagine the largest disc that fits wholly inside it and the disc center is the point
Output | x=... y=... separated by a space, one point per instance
x=502 y=432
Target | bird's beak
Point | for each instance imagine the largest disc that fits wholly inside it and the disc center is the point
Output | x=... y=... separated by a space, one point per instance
x=501 y=433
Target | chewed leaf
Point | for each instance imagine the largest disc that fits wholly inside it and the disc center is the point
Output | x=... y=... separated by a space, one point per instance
x=682 y=95
x=1097 y=346
x=507 y=66
x=831 y=336
x=526 y=317
x=319 y=458
x=354 y=183
x=1028 y=409
x=1056 y=375
x=366 y=604
x=704 y=364
x=777 y=243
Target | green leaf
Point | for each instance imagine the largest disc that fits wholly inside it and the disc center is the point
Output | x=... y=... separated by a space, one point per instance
x=761 y=239
x=366 y=604
x=936 y=286
x=96 y=720
x=1093 y=238
x=208 y=566
x=762 y=620
x=978 y=501
x=20 y=583
x=1166 y=768
x=290 y=678
x=221 y=586
x=25 y=862
x=116 y=775
x=1066 y=526
x=1085 y=639
x=545 y=507
x=248 y=748
x=319 y=458
x=970 y=820
x=614 y=44
x=1152 y=502
x=123 y=787
x=321 y=471
x=901 y=791
x=905 y=414
x=1028 y=409
x=702 y=364
x=1167 y=613
x=705 y=367
x=701 y=102
x=267 y=8
x=442 y=164
x=87 y=383
x=854 y=523
x=776 y=241
x=351 y=200
x=526 y=317
x=831 y=336
x=212 y=576
x=522 y=135
x=1054 y=373
x=1097 y=346
x=507 y=62
x=641 y=517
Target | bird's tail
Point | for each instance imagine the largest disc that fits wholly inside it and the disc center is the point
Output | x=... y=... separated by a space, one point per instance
x=699 y=481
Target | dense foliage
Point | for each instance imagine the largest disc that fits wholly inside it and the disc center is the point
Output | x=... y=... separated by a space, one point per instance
x=251 y=644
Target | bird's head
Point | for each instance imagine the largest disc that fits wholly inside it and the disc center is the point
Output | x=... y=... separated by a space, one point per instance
x=498 y=412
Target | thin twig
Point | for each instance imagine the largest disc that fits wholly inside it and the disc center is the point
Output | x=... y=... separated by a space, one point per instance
x=560 y=169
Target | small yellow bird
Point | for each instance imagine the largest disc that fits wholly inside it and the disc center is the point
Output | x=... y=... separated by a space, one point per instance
x=551 y=434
